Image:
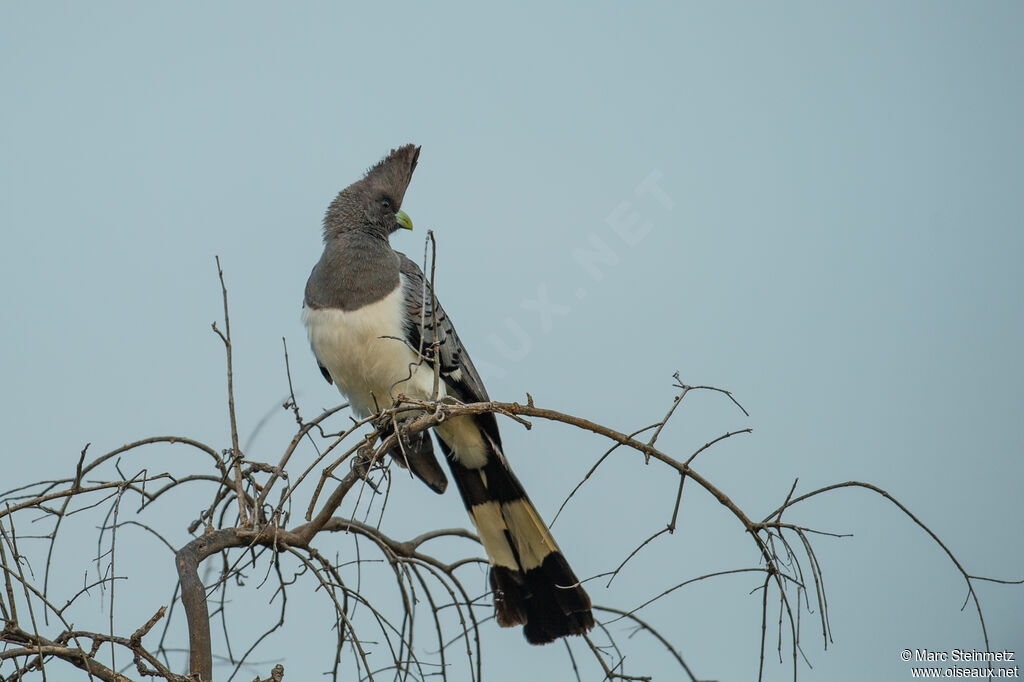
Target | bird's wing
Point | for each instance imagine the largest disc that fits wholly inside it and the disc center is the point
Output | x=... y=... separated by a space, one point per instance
x=532 y=582
x=426 y=321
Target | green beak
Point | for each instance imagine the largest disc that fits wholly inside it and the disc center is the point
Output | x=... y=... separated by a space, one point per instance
x=404 y=220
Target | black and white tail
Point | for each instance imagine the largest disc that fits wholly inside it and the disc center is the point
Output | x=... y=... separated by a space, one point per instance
x=532 y=582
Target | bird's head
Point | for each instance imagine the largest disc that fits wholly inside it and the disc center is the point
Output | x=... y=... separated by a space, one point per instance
x=374 y=203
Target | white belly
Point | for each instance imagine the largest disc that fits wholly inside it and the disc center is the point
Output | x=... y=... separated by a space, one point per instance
x=366 y=354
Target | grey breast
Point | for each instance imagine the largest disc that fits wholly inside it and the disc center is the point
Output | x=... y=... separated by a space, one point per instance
x=356 y=269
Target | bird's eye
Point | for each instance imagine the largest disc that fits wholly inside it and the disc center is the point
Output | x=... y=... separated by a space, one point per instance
x=385 y=204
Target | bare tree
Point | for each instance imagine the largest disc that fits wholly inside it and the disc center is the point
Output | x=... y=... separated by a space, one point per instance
x=247 y=531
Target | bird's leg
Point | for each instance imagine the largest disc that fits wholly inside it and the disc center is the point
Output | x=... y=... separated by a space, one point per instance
x=415 y=451
x=418 y=442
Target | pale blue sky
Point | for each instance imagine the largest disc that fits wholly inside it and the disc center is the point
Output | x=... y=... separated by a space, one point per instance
x=839 y=243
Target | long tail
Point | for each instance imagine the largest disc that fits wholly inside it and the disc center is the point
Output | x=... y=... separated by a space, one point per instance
x=532 y=582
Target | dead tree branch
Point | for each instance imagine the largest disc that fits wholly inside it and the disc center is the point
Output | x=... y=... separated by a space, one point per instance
x=233 y=530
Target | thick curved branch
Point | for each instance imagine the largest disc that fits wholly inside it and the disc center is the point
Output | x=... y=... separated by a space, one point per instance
x=193 y=591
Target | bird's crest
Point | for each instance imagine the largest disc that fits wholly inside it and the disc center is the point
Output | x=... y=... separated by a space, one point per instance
x=394 y=171
x=390 y=178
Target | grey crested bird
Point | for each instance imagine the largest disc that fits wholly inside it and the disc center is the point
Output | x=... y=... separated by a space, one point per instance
x=374 y=339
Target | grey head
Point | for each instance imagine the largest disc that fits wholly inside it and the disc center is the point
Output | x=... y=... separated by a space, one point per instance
x=373 y=204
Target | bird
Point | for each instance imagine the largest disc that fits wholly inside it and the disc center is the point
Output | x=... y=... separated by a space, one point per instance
x=377 y=333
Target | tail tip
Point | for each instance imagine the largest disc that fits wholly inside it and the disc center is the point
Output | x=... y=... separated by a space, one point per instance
x=547 y=600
